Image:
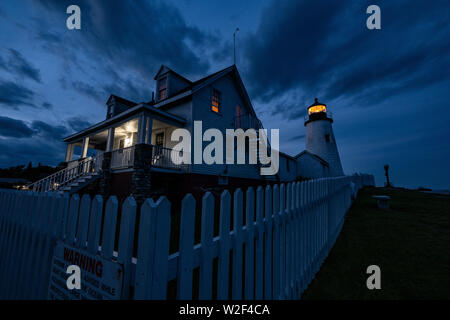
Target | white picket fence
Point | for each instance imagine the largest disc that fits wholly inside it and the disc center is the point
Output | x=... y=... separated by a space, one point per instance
x=287 y=233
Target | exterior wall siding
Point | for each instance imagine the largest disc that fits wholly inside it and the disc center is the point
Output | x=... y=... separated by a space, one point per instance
x=223 y=120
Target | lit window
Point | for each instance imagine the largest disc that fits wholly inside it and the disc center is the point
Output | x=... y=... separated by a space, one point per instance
x=215 y=101
x=162 y=88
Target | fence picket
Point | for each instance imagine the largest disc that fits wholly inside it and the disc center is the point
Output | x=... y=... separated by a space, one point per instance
x=161 y=212
x=95 y=224
x=206 y=267
x=83 y=221
x=186 y=253
x=224 y=247
x=268 y=257
x=126 y=241
x=237 y=251
x=72 y=219
x=259 y=250
x=282 y=214
x=109 y=227
x=249 y=244
x=276 y=243
x=145 y=254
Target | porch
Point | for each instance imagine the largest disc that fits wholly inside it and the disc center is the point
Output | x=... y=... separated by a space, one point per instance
x=118 y=137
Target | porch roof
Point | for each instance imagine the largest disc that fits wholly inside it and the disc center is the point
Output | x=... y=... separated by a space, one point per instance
x=157 y=113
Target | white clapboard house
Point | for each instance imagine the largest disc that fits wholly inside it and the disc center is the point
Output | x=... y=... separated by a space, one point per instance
x=131 y=149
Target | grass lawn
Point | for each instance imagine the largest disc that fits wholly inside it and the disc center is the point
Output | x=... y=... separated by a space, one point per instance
x=410 y=243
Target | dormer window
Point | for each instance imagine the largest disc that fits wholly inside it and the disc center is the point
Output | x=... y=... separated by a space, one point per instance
x=162 y=88
x=215 y=103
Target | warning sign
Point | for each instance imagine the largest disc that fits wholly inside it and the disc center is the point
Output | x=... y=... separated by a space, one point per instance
x=101 y=279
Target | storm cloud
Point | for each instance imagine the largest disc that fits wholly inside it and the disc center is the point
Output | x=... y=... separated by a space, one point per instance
x=13 y=95
x=14 y=128
x=326 y=50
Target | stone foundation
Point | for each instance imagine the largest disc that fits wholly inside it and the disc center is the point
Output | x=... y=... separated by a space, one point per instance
x=105 y=179
x=141 y=179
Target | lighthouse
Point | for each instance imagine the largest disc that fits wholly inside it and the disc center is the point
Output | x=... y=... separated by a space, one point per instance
x=320 y=137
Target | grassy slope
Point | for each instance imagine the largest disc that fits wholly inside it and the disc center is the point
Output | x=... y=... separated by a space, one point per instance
x=410 y=243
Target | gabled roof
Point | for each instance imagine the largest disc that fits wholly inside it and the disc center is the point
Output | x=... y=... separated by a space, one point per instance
x=236 y=76
x=200 y=83
x=164 y=69
x=312 y=154
x=121 y=100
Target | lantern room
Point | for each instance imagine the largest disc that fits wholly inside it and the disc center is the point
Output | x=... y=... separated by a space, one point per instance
x=317 y=111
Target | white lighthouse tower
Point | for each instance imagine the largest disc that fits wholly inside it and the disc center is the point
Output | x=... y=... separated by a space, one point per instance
x=320 y=137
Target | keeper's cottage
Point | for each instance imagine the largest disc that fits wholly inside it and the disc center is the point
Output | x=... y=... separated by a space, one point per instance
x=130 y=152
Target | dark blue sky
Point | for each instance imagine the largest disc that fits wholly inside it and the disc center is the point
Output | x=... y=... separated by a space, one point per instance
x=388 y=89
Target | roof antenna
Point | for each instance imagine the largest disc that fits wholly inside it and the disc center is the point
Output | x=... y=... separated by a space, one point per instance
x=234 y=44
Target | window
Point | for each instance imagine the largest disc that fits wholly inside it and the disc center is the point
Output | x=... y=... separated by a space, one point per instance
x=215 y=104
x=159 y=139
x=327 y=138
x=162 y=88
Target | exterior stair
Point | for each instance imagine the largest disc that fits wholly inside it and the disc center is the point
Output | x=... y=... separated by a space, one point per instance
x=79 y=183
x=75 y=176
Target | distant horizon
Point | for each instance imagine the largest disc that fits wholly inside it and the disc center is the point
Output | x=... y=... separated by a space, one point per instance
x=376 y=184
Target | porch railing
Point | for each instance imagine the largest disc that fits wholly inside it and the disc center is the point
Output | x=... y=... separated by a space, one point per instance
x=122 y=158
x=74 y=170
x=168 y=158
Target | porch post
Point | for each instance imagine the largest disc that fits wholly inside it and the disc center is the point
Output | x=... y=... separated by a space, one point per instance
x=148 y=133
x=69 y=152
x=141 y=128
x=105 y=179
x=85 y=147
x=110 y=140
